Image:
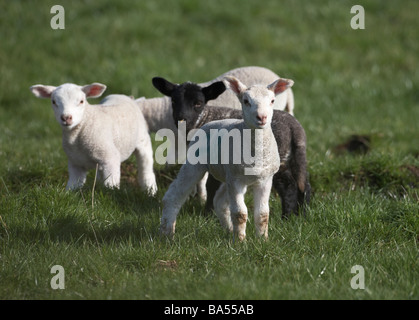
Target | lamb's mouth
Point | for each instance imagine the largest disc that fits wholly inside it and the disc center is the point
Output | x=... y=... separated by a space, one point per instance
x=260 y=125
x=68 y=126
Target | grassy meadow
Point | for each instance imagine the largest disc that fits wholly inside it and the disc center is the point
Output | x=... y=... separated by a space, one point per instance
x=365 y=206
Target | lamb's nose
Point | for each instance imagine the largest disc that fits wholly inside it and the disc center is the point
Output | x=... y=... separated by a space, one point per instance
x=262 y=119
x=67 y=119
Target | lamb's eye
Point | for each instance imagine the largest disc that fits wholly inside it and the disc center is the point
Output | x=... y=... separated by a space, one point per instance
x=273 y=101
x=246 y=102
x=197 y=104
x=53 y=102
x=81 y=102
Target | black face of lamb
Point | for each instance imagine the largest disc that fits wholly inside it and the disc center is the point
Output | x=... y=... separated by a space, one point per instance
x=188 y=102
x=188 y=99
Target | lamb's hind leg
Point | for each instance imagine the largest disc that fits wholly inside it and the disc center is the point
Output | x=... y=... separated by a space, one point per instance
x=177 y=194
x=222 y=207
x=304 y=198
x=287 y=189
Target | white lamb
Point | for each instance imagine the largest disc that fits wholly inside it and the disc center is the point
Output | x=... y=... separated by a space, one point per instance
x=100 y=135
x=257 y=105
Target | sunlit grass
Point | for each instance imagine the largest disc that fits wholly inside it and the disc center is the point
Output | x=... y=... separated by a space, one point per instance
x=364 y=209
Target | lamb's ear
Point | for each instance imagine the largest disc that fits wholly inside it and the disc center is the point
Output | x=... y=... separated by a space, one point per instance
x=234 y=84
x=93 y=90
x=280 y=85
x=213 y=91
x=164 y=86
x=42 y=91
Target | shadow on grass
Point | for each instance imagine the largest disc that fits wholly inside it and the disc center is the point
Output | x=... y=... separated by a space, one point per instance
x=70 y=230
x=93 y=213
x=17 y=179
x=74 y=230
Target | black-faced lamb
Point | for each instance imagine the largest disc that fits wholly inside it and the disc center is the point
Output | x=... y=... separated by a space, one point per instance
x=100 y=135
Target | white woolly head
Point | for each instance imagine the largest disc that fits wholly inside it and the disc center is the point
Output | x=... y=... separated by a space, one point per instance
x=68 y=100
x=258 y=100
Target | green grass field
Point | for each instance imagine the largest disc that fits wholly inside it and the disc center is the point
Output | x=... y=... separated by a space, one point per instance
x=364 y=209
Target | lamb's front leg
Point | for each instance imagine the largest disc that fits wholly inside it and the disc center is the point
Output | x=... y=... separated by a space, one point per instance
x=238 y=209
x=177 y=194
x=77 y=177
x=261 y=192
x=111 y=172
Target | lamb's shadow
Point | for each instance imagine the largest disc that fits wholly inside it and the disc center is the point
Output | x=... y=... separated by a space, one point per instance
x=16 y=179
x=69 y=229
x=133 y=216
x=138 y=217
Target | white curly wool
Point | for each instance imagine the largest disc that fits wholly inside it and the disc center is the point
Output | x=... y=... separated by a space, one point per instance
x=101 y=135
